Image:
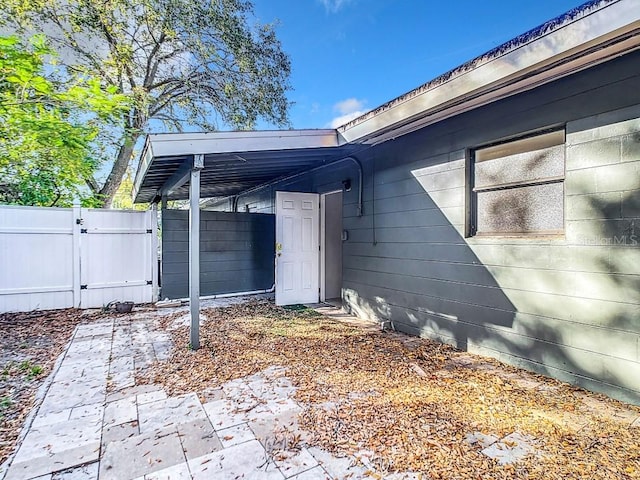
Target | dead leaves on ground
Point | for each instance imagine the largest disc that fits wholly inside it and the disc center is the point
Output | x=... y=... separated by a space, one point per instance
x=407 y=402
x=29 y=345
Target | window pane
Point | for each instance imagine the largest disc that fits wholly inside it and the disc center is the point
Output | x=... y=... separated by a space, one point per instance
x=537 y=208
x=521 y=167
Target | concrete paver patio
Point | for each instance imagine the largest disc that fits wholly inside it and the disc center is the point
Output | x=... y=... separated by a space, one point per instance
x=94 y=422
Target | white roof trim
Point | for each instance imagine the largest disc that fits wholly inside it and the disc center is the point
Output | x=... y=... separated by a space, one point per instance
x=170 y=144
x=187 y=144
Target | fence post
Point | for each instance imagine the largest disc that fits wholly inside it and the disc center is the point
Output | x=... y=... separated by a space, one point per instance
x=153 y=216
x=75 y=254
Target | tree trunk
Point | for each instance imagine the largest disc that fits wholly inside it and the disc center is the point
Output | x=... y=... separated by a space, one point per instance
x=118 y=170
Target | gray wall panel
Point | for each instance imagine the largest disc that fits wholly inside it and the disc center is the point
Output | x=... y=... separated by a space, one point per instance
x=236 y=252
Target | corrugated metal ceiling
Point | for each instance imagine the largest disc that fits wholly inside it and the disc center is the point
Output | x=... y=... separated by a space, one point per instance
x=229 y=174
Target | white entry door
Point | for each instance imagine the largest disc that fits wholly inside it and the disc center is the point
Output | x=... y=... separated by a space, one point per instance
x=297 y=248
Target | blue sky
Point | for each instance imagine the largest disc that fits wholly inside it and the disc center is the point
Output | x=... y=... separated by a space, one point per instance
x=350 y=56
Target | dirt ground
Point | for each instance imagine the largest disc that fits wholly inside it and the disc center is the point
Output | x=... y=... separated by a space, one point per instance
x=30 y=343
x=411 y=403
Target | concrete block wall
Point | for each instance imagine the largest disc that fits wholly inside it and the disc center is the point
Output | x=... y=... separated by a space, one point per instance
x=565 y=306
x=576 y=299
x=236 y=252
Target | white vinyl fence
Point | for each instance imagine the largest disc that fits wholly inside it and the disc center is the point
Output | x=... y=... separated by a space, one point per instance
x=76 y=257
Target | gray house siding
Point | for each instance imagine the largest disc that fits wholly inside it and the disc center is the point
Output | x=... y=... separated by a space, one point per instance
x=569 y=306
x=236 y=253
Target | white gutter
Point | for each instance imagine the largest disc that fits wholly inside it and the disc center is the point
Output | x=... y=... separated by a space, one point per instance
x=180 y=144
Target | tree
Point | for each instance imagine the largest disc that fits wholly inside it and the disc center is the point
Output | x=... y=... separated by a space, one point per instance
x=184 y=63
x=122 y=199
x=47 y=128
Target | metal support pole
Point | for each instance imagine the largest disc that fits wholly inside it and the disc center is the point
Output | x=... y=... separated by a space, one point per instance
x=194 y=250
x=163 y=209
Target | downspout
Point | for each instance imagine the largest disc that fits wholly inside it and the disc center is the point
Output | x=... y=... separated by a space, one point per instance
x=360 y=185
x=373 y=203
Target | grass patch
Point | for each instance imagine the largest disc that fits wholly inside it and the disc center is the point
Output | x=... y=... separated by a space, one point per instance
x=5 y=402
x=25 y=368
x=34 y=371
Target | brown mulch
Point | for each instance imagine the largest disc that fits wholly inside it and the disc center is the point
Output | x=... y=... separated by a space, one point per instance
x=409 y=401
x=30 y=343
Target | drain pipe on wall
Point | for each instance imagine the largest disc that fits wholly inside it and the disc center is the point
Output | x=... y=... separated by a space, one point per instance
x=345 y=159
x=284 y=179
x=236 y=294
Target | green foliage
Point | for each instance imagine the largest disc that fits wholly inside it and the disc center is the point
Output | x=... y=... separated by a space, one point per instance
x=31 y=370
x=34 y=372
x=47 y=128
x=184 y=63
x=25 y=367
x=5 y=403
x=123 y=200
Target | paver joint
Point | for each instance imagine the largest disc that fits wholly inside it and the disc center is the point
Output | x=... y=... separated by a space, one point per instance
x=96 y=423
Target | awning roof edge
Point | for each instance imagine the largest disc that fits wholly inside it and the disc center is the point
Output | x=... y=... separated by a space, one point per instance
x=185 y=145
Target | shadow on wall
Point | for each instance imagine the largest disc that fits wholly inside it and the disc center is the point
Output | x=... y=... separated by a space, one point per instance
x=621 y=237
x=263 y=242
x=565 y=307
x=421 y=276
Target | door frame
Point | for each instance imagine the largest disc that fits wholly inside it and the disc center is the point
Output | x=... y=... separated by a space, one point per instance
x=323 y=226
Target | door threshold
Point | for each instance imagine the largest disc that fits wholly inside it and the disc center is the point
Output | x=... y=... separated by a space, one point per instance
x=334 y=302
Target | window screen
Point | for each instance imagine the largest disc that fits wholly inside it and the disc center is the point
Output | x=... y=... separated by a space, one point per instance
x=518 y=186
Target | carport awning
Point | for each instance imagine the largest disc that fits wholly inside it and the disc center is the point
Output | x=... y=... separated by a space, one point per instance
x=233 y=161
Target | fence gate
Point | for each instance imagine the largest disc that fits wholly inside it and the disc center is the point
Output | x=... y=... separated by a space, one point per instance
x=75 y=257
x=118 y=260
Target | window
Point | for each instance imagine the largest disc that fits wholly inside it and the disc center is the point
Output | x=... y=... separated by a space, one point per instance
x=518 y=186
